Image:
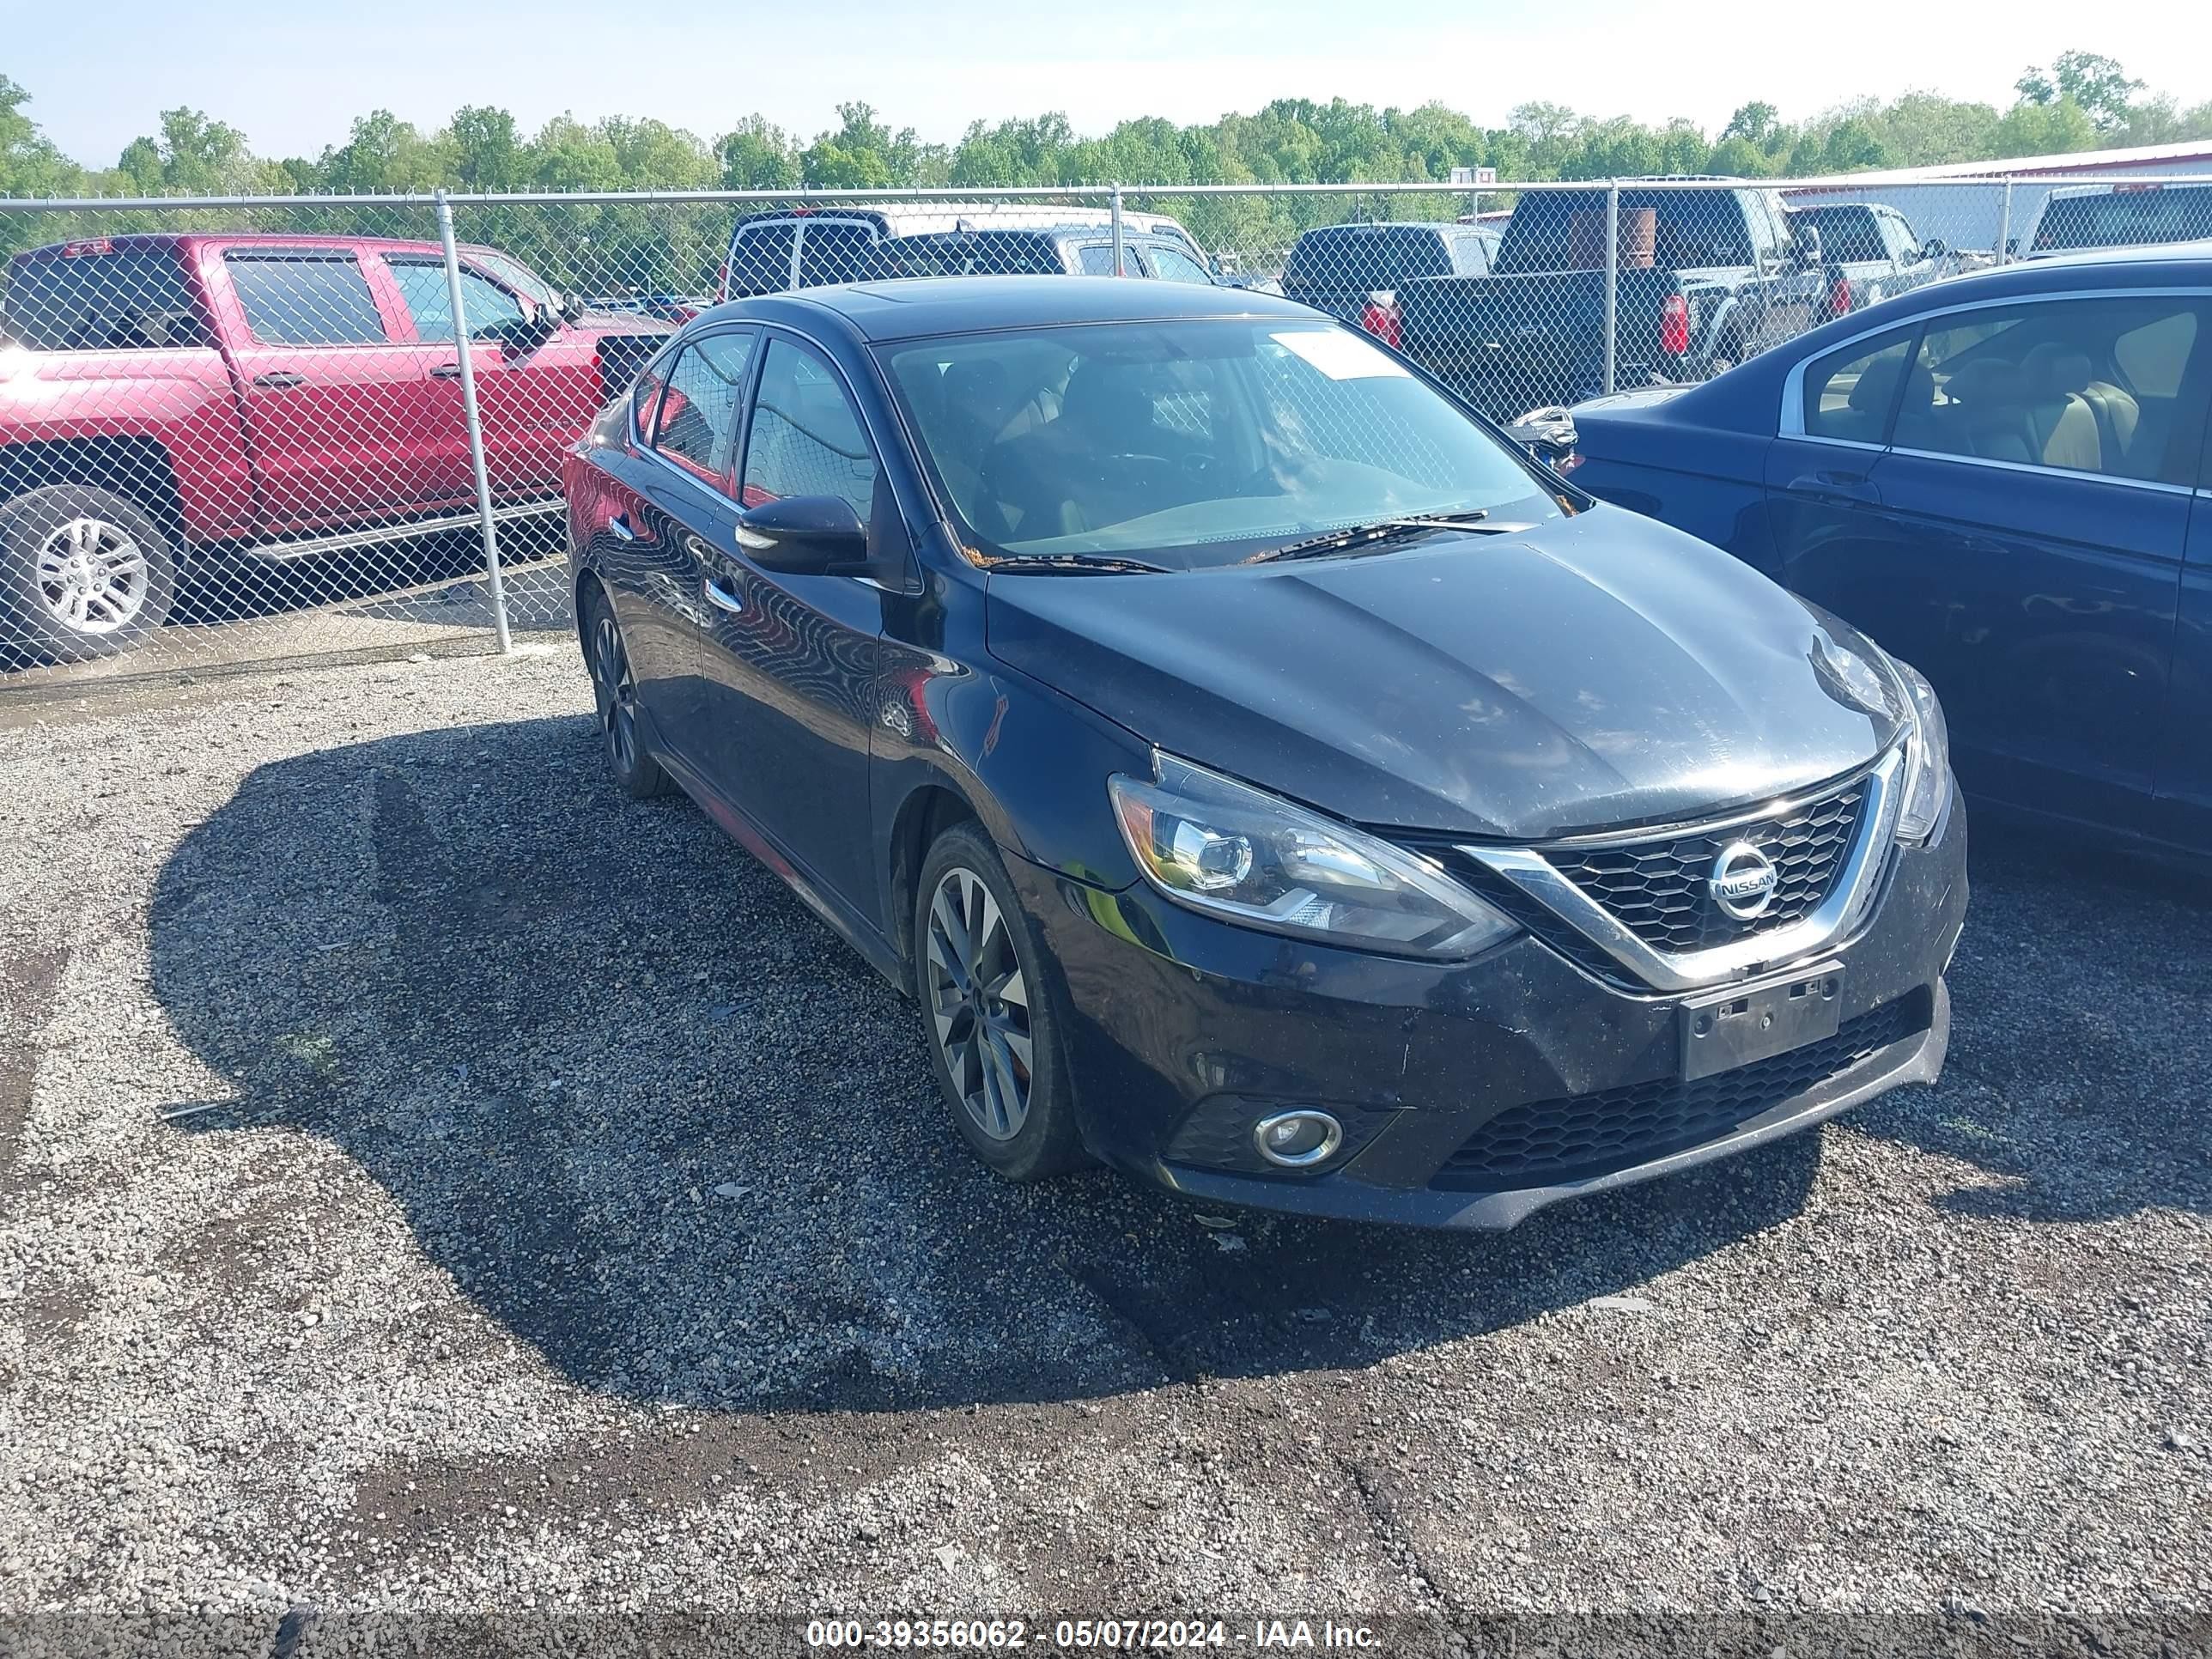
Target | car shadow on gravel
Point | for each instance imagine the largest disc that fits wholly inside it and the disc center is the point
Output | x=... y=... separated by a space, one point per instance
x=650 y=1115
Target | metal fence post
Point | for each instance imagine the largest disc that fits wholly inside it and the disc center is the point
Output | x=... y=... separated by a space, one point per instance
x=1612 y=282
x=475 y=426
x=2004 y=225
x=1118 y=272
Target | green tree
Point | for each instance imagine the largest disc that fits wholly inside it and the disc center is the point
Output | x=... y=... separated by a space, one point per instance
x=2032 y=129
x=1754 y=123
x=2096 y=84
x=756 y=155
x=487 y=149
x=196 y=156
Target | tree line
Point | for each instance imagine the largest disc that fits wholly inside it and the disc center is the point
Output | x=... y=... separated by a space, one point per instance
x=2083 y=100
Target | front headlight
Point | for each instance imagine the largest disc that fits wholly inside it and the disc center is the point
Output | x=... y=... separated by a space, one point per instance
x=1235 y=852
x=1927 y=793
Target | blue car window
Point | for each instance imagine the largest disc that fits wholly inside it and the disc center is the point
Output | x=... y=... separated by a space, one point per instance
x=2084 y=386
x=1850 y=392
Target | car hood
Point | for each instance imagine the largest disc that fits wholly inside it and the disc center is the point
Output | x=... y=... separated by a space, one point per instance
x=1599 y=670
x=1629 y=402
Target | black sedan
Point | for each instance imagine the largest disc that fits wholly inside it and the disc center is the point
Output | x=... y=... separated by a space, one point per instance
x=1266 y=778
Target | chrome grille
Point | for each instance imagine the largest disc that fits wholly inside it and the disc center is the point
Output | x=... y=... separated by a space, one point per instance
x=1658 y=889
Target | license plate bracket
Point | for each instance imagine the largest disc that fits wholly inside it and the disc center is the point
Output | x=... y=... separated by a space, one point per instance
x=1723 y=1029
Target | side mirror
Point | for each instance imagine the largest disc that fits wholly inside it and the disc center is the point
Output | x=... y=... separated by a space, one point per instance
x=1933 y=248
x=804 y=535
x=1547 y=434
x=1805 y=243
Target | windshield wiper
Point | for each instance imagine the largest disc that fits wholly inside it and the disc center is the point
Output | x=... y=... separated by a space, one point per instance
x=1380 y=530
x=1080 y=564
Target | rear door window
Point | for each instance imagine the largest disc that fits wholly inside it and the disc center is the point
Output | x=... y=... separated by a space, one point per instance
x=1470 y=255
x=1172 y=265
x=760 y=259
x=831 y=251
x=91 y=299
x=1850 y=392
x=306 y=298
x=698 y=425
x=2098 y=385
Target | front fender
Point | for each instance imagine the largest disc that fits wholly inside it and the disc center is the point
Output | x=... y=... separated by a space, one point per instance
x=1030 y=763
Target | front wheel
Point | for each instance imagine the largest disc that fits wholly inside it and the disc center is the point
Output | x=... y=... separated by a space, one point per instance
x=84 y=573
x=993 y=1017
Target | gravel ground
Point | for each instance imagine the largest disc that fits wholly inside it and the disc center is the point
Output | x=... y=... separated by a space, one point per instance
x=433 y=1185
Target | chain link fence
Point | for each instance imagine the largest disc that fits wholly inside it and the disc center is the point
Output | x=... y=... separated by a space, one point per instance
x=246 y=431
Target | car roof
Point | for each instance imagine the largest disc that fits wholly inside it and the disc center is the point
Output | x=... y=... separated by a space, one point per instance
x=183 y=239
x=1400 y=224
x=978 y=232
x=919 y=307
x=2134 y=189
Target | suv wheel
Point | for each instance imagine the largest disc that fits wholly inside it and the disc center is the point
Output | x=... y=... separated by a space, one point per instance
x=993 y=1015
x=614 y=691
x=83 y=573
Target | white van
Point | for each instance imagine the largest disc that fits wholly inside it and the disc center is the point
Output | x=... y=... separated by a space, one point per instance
x=805 y=247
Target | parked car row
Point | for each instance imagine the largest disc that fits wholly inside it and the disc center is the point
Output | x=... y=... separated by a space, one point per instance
x=170 y=402
x=199 y=398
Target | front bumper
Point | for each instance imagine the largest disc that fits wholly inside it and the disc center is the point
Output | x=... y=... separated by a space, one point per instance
x=1185 y=1031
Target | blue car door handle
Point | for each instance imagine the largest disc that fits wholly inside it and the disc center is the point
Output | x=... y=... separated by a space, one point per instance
x=721 y=598
x=1837 y=486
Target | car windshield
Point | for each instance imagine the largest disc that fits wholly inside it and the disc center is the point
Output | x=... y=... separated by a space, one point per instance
x=1192 y=443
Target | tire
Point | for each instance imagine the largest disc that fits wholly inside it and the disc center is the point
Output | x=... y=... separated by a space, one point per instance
x=614 y=694
x=969 y=952
x=84 y=573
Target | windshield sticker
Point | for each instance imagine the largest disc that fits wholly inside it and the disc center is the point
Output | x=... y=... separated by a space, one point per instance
x=1339 y=356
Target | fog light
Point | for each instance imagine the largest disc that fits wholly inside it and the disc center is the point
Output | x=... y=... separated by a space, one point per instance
x=1298 y=1139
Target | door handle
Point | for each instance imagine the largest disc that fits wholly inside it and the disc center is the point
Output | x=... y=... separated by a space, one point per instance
x=447 y=372
x=721 y=598
x=1837 y=486
x=280 y=380
x=618 y=527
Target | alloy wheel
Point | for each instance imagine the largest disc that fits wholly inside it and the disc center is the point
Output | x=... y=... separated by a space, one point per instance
x=92 y=576
x=617 y=693
x=979 y=1004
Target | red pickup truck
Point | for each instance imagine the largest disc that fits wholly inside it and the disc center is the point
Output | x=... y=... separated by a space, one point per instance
x=168 y=400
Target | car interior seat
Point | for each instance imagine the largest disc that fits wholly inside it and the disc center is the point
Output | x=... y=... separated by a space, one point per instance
x=2056 y=375
x=1990 y=419
x=2118 y=415
x=1055 y=479
x=1866 y=410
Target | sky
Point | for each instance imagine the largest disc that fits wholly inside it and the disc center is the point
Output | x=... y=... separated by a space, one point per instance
x=293 y=76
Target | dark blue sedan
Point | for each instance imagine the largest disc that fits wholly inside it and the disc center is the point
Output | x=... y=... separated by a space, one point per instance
x=2003 y=479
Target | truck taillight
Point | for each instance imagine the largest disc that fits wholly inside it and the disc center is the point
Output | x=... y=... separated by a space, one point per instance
x=722 y=281
x=1839 y=297
x=1674 y=325
x=1379 y=317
